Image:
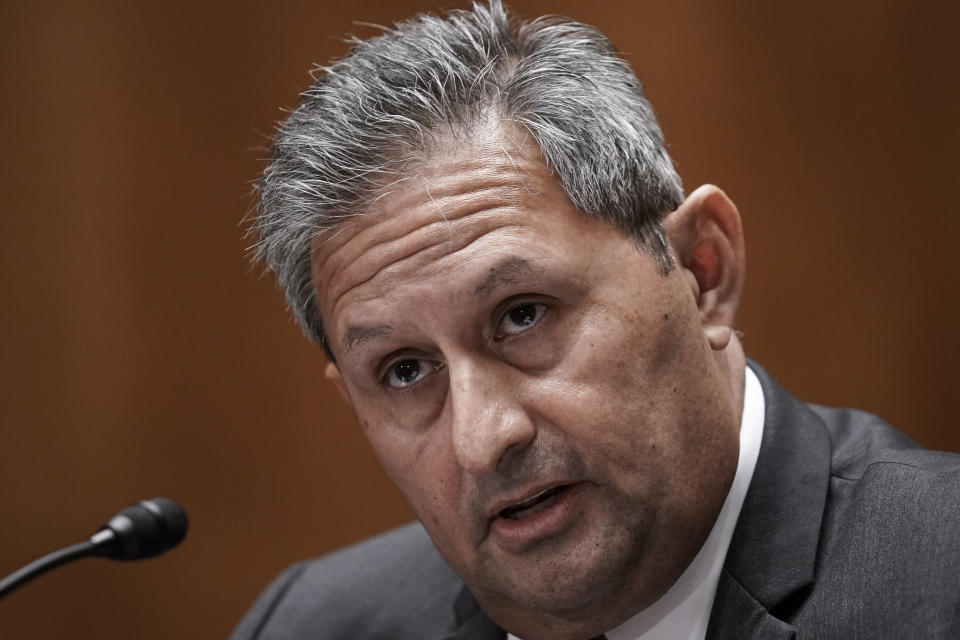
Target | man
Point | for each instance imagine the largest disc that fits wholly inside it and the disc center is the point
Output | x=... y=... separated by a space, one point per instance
x=477 y=220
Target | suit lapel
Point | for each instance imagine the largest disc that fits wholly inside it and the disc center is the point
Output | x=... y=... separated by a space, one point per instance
x=478 y=627
x=736 y=614
x=472 y=623
x=772 y=556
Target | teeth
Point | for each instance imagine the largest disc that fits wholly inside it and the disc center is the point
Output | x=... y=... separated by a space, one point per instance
x=532 y=505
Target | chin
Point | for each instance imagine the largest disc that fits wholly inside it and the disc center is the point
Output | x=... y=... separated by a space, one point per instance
x=563 y=580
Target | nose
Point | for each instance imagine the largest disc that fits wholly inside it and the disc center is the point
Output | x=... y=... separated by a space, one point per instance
x=490 y=422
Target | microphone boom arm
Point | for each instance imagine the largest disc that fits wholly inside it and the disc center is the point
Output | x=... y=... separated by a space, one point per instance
x=42 y=565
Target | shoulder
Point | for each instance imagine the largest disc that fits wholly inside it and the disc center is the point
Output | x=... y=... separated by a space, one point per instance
x=890 y=530
x=861 y=441
x=879 y=474
x=395 y=585
x=872 y=462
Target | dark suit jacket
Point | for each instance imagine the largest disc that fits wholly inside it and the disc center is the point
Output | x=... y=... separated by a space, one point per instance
x=849 y=530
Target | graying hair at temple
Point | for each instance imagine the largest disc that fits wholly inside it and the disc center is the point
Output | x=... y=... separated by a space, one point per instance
x=380 y=107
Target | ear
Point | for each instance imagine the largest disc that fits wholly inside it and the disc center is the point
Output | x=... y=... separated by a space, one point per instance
x=333 y=375
x=707 y=236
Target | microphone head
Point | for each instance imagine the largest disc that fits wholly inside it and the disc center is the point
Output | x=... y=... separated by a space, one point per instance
x=142 y=530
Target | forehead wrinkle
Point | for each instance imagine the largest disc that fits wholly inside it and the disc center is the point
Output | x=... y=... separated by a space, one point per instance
x=401 y=215
x=453 y=173
x=438 y=241
x=407 y=228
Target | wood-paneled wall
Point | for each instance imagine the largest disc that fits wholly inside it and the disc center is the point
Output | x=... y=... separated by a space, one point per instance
x=142 y=356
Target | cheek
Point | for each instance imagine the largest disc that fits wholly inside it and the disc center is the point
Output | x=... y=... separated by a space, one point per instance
x=618 y=364
x=630 y=387
x=420 y=467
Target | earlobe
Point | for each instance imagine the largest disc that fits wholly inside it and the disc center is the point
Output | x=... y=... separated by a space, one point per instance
x=333 y=375
x=718 y=336
x=707 y=236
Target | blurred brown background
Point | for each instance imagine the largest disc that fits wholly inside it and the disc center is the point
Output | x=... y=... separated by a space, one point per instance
x=142 y=356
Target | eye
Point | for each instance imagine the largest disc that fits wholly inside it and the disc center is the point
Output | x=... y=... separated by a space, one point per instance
x=520 y=317
x=408 y=371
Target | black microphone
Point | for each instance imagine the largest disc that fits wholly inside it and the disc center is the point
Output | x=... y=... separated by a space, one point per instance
x=142 y=530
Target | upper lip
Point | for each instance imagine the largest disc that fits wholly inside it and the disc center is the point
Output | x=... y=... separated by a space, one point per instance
x=502 y=503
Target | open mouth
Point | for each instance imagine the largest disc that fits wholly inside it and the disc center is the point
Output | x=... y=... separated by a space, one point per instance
x=534 y=504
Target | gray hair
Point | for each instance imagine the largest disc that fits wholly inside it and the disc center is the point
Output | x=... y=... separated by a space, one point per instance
x=372 y=112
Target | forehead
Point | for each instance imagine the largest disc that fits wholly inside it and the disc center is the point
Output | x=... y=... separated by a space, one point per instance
x=475 y=214
x=429 y=207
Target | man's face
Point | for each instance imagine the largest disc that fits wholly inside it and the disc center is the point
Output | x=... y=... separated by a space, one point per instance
x=541 y=394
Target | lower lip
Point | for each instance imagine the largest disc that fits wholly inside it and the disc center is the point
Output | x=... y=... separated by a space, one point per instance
x=517 y=535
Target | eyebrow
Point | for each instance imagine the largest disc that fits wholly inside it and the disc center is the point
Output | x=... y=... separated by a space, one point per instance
x=502 y=273
x=358 y=334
